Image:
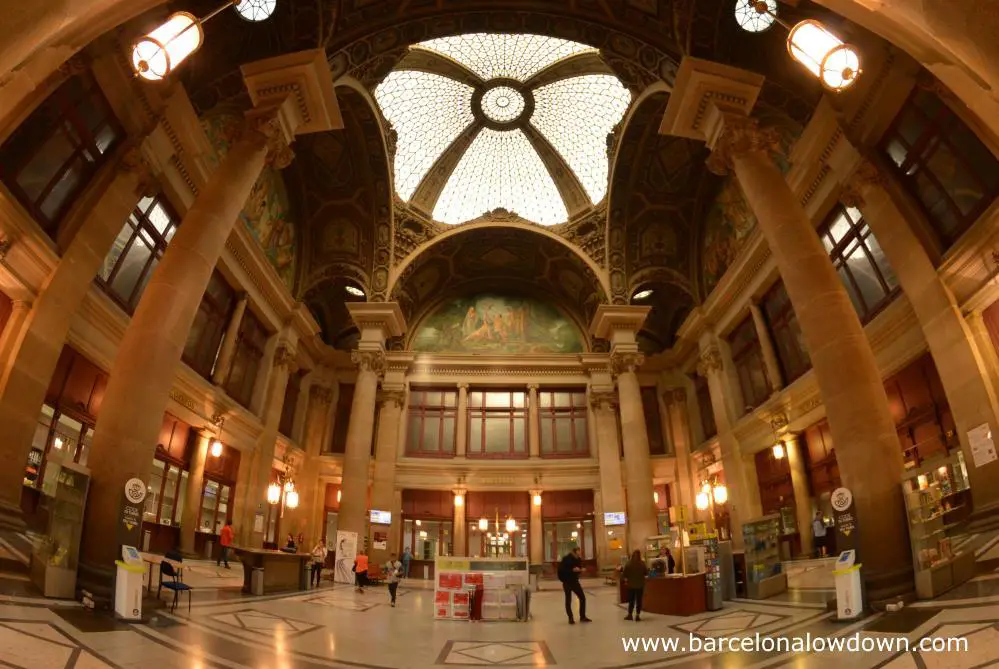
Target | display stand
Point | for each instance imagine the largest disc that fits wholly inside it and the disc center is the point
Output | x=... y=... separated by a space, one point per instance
x=54 y=559
x=937 y=503
x=710 y=565
x=486 y=588
x=761 y=537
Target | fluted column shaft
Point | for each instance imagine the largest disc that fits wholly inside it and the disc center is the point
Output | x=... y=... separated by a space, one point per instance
x=192 y=495
x=227 y=352
x=867 y=446
x=461 y=429
x=354 y=501
x=637 y=461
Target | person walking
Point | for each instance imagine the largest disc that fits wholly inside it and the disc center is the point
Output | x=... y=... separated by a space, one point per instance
x=568 y=572
x=634 y=580
x=361 y=571
x=819 y=534
x=394 y=570
x=225 y=540
x=407 y=557
x=318 y=560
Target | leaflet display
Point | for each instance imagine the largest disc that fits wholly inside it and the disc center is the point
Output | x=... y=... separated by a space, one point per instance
x=481 y=588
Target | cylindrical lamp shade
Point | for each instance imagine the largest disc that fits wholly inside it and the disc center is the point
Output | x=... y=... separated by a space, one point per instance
x=721 y=494
x=701 y=501
x=511 y=525
x=836 y=64
x=157 y=54
x=483 y=524
x=273 y=493
x=216 y=449
x=291 y=499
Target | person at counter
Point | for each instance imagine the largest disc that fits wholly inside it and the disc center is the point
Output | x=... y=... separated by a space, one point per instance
x=289 y=546
x=634 y=574
x=568 y=572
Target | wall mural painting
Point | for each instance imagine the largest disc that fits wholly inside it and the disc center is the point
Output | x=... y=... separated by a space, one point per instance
x=494 y=324
x=267 y=214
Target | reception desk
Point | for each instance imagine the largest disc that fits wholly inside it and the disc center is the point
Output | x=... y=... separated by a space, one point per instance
x=673 y=595
x=283 y=572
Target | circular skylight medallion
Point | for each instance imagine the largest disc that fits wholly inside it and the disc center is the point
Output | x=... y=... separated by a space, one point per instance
x=256 y=10
x=755 y=16
x=502 y=104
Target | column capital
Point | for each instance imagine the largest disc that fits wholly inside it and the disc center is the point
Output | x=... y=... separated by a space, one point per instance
x=603 y=399
x=462 y=386
x=676 y=396
x=263 y=128
x=369 y=361
x=396 y=396
x=625 y=361
x=710 y=361
x=133 y=161
x=533 y=387
x=740 y=134
x=322 y=395
x=285 y=356
x=867 y=175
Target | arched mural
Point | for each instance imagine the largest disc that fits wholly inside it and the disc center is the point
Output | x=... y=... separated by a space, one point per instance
x=489 y=323
x=267 y=212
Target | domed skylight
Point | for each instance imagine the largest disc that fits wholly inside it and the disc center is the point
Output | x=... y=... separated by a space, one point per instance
x=485 y=121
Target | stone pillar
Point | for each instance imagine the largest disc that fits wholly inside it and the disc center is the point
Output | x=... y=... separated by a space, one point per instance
x=38 y=331
x=603 y=403
x=533 y=421
x=386 y=454
x=244 y=514
x=306 y=518
x=962 y=368
x=678 y=420
x=192 y=495
x=637 y=460
x=536 y=534
x=802 y=496
x=460 y=526
x=770 y=361
x=227 y=352
x=867 y=446
x=461 y=428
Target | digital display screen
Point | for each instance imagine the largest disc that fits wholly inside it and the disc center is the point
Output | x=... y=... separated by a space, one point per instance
x=381 y=517
x=614 y=518
x=130 y=554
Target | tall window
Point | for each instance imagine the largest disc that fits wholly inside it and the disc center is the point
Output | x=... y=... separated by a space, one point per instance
x=497 y=424
x=791 y=351
x=653 y=421
x=57 y=437
x=427 y=539
x=433 y=415
x=290 y=404
x=250 y=343
x=562 y=416
x=562 y=536
x=942 y=163
x=215 y=502
x=344 y=402
x=165 y=493
x=134 y=255
x=748 y=359
x=55 y=153
x=703 y=393
x=859 y=261
x=210 y=322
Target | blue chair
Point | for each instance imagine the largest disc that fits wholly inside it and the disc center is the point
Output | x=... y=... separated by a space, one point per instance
x=166 y=569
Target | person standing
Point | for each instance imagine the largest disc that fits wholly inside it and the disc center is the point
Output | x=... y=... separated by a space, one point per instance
x=394 y=570
x=568 y=572
x=407 y=557
x=361 y=571
x=634 y=580
x=225 y=540
x=318 y=560
x=819 y=534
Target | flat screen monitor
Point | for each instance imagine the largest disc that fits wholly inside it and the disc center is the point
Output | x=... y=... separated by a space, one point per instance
x=614 y=518
x=381 y=517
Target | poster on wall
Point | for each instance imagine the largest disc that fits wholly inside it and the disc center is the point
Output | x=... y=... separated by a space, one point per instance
x=983 y=449
x=346 y=551
x=844 y=519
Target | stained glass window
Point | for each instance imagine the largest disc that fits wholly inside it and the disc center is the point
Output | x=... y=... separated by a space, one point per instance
x=493 y=56
x=428 y=112
x=500 y=169
x=576 y=115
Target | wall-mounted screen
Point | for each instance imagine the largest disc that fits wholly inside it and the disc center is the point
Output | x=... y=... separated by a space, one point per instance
x=614 y=518
x=381 y=517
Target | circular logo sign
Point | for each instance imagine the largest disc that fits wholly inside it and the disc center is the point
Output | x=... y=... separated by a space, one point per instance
x=135 y=491
x=841 y=499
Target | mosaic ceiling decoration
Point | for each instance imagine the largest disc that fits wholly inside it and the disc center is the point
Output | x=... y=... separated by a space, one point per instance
x=487 y=121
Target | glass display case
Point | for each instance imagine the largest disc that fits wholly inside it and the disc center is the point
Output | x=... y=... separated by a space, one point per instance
x=937 y=504
x=761 y=539
x=54 y=560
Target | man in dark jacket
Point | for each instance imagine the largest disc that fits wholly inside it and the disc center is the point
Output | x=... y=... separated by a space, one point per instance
x=568 y=572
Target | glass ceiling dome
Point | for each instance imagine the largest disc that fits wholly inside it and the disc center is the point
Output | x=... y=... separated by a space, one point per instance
x=485 y=121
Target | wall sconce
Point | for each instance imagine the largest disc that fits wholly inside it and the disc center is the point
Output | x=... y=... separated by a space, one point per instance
x=483 y=524
x=419 y=522
x=273 y=493
x=57 y=444
x=655 y=496
x=459 y=500
x=511 y=524
x=537 y=499
x=778 y=451
x=216 y=447
x=575 y=534
x=339 y=494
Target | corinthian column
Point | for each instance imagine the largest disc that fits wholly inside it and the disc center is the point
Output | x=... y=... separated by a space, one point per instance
x=867 y=447
x=679 y=430
x=306 y=517
x=392 y=400
x=533 y=421
x=354 y=501
x=227 y=351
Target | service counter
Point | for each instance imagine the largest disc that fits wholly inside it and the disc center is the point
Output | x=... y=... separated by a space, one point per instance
x=673 y=595
x=283 y=572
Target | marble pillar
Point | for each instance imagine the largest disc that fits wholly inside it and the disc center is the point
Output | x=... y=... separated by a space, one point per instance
x=637 y=460
x=356 y=459
x=802 y=498
x=386 y=455
x=192 y=495
x=533 y=421
x=461 y=428
x=770 y=362
x=604 y=405
x=37 y=336
x=600 y=543
x=536 y=535
x=678 y=420
x=962 y=367
x=11 y=333
x=306 y=518
x=460 y=525
x=227 y=351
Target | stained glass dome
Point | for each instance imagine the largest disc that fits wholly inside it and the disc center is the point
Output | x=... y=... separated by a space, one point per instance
x=487 y=121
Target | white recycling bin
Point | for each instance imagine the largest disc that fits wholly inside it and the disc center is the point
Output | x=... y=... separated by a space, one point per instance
x=128 y=585
x=849 y=595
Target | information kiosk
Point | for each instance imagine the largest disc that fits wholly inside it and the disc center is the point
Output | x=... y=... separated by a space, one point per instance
x=128 y=584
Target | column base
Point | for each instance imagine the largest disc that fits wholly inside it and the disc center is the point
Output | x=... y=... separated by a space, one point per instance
x=98 y=580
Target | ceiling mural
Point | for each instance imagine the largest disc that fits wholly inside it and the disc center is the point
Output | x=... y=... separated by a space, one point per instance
x=488 y=323
x=267 y=214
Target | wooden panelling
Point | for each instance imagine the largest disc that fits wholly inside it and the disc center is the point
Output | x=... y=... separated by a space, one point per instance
x=428 y=504
x=173 y=441
x=331 y=503
x=820 y=457
x=774 y=477
x=920 y=410
x=559 y=504
x=77 y=386
x=224 y=468
x=507 y=502
x=664 y=502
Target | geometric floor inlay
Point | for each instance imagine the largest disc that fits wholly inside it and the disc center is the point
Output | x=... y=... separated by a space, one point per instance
x=30 y=645
x=341 y=603
x=264 y=622
x=734 y=621
x=497 y=653
x=983 y=648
